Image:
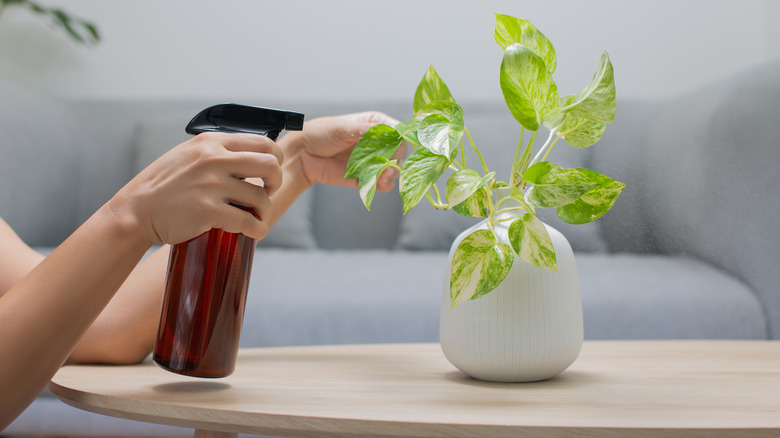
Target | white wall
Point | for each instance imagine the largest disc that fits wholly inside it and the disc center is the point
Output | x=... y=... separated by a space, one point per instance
x=362 y=50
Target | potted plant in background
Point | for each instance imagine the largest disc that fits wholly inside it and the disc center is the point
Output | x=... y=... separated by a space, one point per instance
x=527 y=323
x=79 y=30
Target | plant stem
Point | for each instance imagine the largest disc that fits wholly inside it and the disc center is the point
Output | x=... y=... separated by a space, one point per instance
x=481 y=159
x=428 y=197
x=524 y=160
x=543 y=149
x=506 y=220
x=434 y=204
x=550 y=148
x=462 y=155
x=516 y=163
x=438 y=196
x=507 y=210
x=491 y=210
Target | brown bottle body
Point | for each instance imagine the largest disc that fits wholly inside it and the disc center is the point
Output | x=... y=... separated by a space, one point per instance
x=203 y=307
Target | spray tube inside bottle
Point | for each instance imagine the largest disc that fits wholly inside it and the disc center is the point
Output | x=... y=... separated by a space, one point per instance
x=208 y=276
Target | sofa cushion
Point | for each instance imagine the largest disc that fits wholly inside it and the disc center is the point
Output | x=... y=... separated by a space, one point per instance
x=631 y=296
x=158 y=134
x=495 y=133
x=341 y=296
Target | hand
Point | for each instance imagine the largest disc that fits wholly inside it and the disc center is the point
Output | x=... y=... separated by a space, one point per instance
x=188 y=191
x=325 y=144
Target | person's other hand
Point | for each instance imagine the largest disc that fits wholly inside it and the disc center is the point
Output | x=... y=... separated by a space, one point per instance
x=325 y=144
x=188 y=191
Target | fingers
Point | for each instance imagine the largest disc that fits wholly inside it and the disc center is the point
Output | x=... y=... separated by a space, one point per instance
x=244 y=156
x=251 y=197
x=244 y=165
x=373 y=118
x=239 y=221
x=238 y=142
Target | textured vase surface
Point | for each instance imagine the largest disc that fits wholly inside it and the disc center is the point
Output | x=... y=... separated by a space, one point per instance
x=529 y=328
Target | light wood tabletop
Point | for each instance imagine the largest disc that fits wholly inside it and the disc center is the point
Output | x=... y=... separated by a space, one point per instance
x=614 y=389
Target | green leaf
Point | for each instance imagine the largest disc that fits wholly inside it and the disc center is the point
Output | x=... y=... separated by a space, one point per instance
x=479 y=265
x=92 y=30
x=409 y=130
x=528 y=87
x=441 y=134
x=431 y=89
x=510 y=30
x=597 y=100
x=474 y=206
x=531 y=241
x=595 y=202
x=420 y=170
x=554 y=186
x=372 y=168
x=578 y=131
x=463 y=183
x=378 y=141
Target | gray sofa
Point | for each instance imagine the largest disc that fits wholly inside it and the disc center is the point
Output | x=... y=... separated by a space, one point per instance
x=689 y=251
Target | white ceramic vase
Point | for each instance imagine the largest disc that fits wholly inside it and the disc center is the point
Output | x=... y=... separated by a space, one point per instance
x=527 y=329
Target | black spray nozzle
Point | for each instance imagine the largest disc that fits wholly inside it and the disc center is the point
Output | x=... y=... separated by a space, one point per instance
x=231 y=117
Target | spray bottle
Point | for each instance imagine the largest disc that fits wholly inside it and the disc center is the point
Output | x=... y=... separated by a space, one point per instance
x=208 y=276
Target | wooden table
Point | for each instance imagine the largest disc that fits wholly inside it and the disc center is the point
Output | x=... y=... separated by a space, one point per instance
x=614 y=389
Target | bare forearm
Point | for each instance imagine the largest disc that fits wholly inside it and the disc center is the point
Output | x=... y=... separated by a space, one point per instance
x=46 y=313
x=124 y=332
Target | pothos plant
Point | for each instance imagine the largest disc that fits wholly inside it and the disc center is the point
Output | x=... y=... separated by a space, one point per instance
x=435 y=132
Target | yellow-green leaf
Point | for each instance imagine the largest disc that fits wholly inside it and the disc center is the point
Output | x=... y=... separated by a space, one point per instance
x=431 y=89
x=480 y=263
x=378 y=141
x=464 y=183
x=528 y=87
x=554 y=186
x=420 y=170
x=595 y=202
x=510 y=30
x=597 y=100
x=531 y=241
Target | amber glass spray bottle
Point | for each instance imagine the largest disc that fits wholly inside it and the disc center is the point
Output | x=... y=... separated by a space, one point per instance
x=208 y=276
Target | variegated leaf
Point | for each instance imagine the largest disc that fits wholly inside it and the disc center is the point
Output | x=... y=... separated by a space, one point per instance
x=554 y=186
x=420 y=170
x=474 y=206
x=367 y=180
x=509 y=30
x=431 y=89
x=378 y=141
x=441 y=134
x=595 y=202
x=597 y=100
x=531 y=241
x=464 y=183
x=528 y=87
x=480 y=263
